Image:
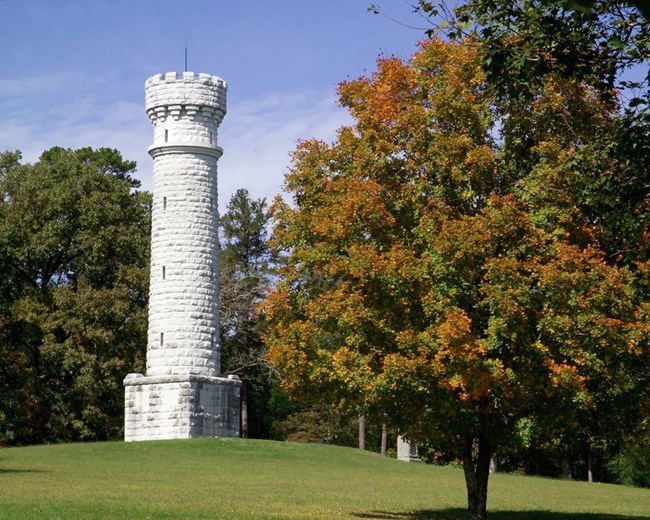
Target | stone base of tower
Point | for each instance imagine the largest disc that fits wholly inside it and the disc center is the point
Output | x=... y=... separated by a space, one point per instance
x=181 y=407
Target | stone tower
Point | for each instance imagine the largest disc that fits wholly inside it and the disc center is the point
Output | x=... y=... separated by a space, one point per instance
x=182 y=394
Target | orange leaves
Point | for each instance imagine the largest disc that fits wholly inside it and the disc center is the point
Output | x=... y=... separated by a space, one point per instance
x=455 y=338
x=563 y=374
x=580 y=279
x=394 y=268
x=354 y=209
x=446 y=358
x=502 y=229
x=588 y=324
x=425 y=270
x=461 y=358
x=382 y=99
x=427 y=120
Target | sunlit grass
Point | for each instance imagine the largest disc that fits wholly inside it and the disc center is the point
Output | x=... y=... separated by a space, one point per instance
x=245 y=479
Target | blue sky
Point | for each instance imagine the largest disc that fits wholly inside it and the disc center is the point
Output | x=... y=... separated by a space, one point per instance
x=73 y=71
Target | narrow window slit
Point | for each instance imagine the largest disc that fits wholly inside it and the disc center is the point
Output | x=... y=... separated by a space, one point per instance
x=166 y=135
x=164 y=272
x=162 y=338
x=164 y=202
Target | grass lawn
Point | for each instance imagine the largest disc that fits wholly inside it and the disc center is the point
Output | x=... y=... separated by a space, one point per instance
x=246 y=479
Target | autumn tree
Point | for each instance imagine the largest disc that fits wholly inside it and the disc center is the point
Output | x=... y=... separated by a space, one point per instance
x=432 y=277
x=74 y=245
x=523 y=46
x=526 y=45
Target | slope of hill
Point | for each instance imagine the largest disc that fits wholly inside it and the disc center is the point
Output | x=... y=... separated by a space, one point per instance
x=246 y=479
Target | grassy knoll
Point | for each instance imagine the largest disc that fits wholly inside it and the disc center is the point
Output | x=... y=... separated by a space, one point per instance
x=243 y=479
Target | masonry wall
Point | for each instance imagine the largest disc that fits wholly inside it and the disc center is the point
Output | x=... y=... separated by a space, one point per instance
x=180 y=407
x=183 y=308
x=186 y=111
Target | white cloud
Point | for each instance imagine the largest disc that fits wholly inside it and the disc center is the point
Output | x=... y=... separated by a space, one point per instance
x=257 y=134
x=19 y=87
x=71 y=111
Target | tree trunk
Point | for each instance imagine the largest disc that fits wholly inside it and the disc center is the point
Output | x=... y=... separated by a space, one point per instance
x=362 y=432
x=384 y=438
x=243 y=432
x=477 y=471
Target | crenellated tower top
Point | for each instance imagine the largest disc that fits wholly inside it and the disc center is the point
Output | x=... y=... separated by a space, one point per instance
x=186 y=111
x=185 y=95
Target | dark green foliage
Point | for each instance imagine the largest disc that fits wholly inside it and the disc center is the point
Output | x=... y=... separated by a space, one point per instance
x=610 y=178
x=244 y=277
x=74 y=245
x=108 y=160
x=632 y=465
x=592 y=41
x=244 y=230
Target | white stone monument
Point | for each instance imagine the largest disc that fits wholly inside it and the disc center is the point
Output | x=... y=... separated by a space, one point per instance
x=407 y=451
x=183 y=394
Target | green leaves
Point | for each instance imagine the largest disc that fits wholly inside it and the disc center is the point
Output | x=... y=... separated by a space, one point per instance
x=74 y=245
x=471 y=277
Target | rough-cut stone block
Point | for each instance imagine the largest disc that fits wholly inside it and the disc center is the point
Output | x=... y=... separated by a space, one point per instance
x=180 y=407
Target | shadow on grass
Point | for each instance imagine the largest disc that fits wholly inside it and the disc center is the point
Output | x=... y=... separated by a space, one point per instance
x=9 y=470
x=460 y=514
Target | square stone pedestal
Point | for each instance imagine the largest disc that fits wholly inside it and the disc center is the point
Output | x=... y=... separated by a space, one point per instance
x=181 y=407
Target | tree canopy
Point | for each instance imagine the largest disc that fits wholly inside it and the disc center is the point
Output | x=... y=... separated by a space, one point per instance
x=603 y=43
x=74 y=247
x=457 y=261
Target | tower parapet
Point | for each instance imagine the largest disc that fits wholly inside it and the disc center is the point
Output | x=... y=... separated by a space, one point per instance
x=186 y=110
x=164 y=90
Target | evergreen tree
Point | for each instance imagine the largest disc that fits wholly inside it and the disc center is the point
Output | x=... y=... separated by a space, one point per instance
x=245 y=263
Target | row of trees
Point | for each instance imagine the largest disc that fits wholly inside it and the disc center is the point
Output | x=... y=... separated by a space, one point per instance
x=470 y=257
x=74 y=246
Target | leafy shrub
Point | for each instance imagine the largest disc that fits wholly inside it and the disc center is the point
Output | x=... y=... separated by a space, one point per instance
x=632 y=465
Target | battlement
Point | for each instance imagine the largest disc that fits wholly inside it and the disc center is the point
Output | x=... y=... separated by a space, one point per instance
x=174 y=77
x=185 y=95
